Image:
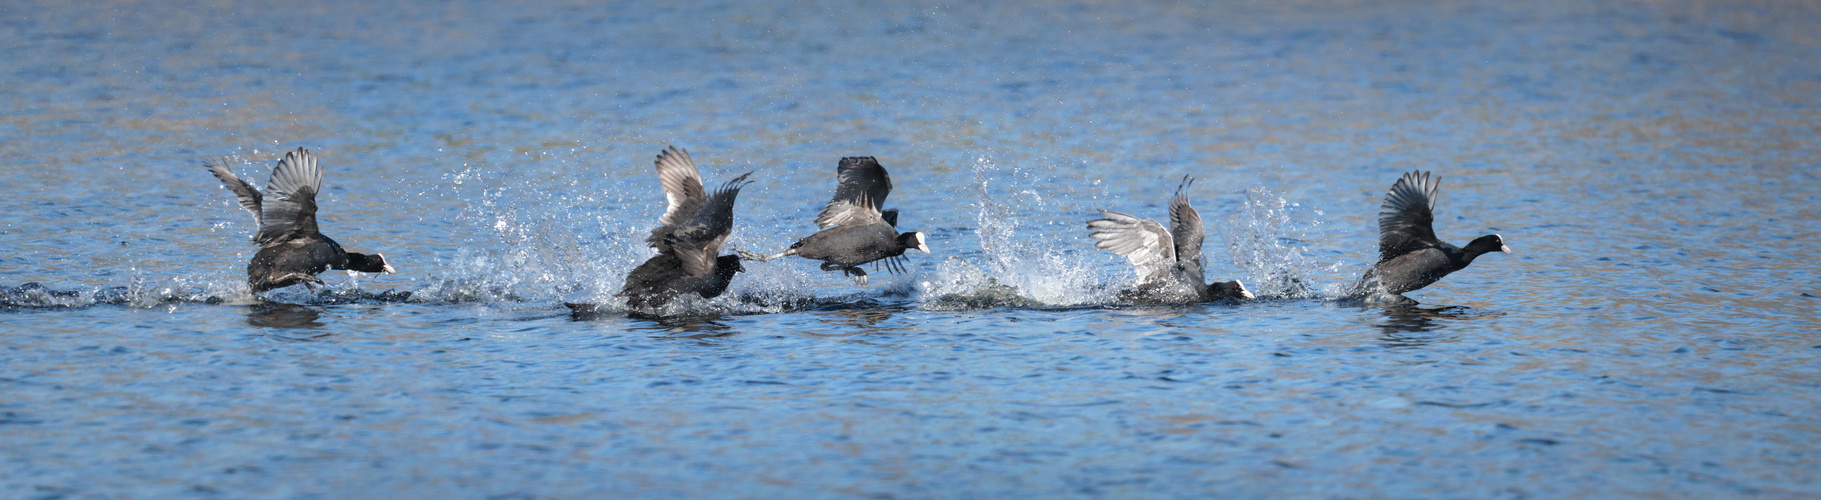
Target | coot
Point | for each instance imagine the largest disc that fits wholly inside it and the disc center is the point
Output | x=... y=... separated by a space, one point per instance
x=1169 y=262
x=292 y=251
x=856 y=230
x=1410 y=257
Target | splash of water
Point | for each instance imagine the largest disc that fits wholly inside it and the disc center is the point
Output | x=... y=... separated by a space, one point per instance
x=1266 y=238
x=171 y=292
x=1017 y=268
x=537 y=252
x=576 y=246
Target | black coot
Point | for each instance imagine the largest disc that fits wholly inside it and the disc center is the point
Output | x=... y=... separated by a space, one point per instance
x=855 y=229
x=292 y=251
x=688 y=238
x=1410 y=257
x=1169 y=262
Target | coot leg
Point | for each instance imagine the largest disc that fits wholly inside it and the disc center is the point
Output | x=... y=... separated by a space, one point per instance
x=766 y=258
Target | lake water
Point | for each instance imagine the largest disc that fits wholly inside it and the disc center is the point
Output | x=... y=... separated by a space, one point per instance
x=1654 y=165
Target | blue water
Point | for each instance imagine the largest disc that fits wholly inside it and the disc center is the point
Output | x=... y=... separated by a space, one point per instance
x=1654 y=166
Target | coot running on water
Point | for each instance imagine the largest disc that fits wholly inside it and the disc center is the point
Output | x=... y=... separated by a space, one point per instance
x=688 y=238
x=1169 y=262
x=855 y=229
x=1410 y=257
x=292 y=251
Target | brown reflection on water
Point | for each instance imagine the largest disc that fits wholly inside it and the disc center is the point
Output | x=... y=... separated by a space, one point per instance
x=286 y=316
x=857 y=321
x=688 y=327
x=1416 y=326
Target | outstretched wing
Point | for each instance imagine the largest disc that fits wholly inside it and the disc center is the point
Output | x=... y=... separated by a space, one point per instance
x=1406 y=220
x=860 y=182
x=698 y=241
x=682 y=185
x=1142 y=241
x=1185 y=225
x=249 y=195
x=860 y=212
x=682 y=189
x=289 y=209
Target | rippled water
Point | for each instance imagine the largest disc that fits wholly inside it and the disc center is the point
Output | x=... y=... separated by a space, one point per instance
x=1654 y=165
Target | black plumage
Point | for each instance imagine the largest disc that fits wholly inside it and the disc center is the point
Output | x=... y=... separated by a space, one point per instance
x=689 y=236
x=292 y=250
x=1168 y=261
x=859 y=180
x=856 y=229
x=663 y=278
x=1410 y=256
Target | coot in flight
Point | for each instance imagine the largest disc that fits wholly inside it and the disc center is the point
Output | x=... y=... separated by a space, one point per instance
x=688 y=238
x=1410 y=257
x=291 y=249
x=855 y=231
x=1169 y=262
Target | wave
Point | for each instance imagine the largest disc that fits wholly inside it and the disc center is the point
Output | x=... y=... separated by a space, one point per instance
x=33 y=295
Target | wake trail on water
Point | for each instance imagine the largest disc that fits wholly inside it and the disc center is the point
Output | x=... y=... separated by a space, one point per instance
x=541 y=245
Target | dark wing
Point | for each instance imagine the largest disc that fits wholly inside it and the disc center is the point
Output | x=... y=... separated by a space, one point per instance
x=698 y=241
x=651 y=276
x=682 y=189
x=1185 y=225
x=249 y=195
x=290 y=209
x=1142 y=241
x=858 y=212
x=858 y=178
x=890 y=216
x=1406 y=220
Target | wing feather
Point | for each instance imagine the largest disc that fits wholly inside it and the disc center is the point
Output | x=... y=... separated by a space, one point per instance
x=698 y=241
x=249 y=196
x=1144 y=242
x=1185 y=225
x=1406 y=219
x=682 y=185
x=860 y=181
x=683 y=192
x=289 y=208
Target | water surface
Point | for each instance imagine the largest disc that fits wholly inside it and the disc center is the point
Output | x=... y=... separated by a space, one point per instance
x=1654 y=165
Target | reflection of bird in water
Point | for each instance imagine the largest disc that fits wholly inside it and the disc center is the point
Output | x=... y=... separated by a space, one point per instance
x=1411 y=326
x=864 y=318
x=692 y=326
x=681 y=326
x=288 y=316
